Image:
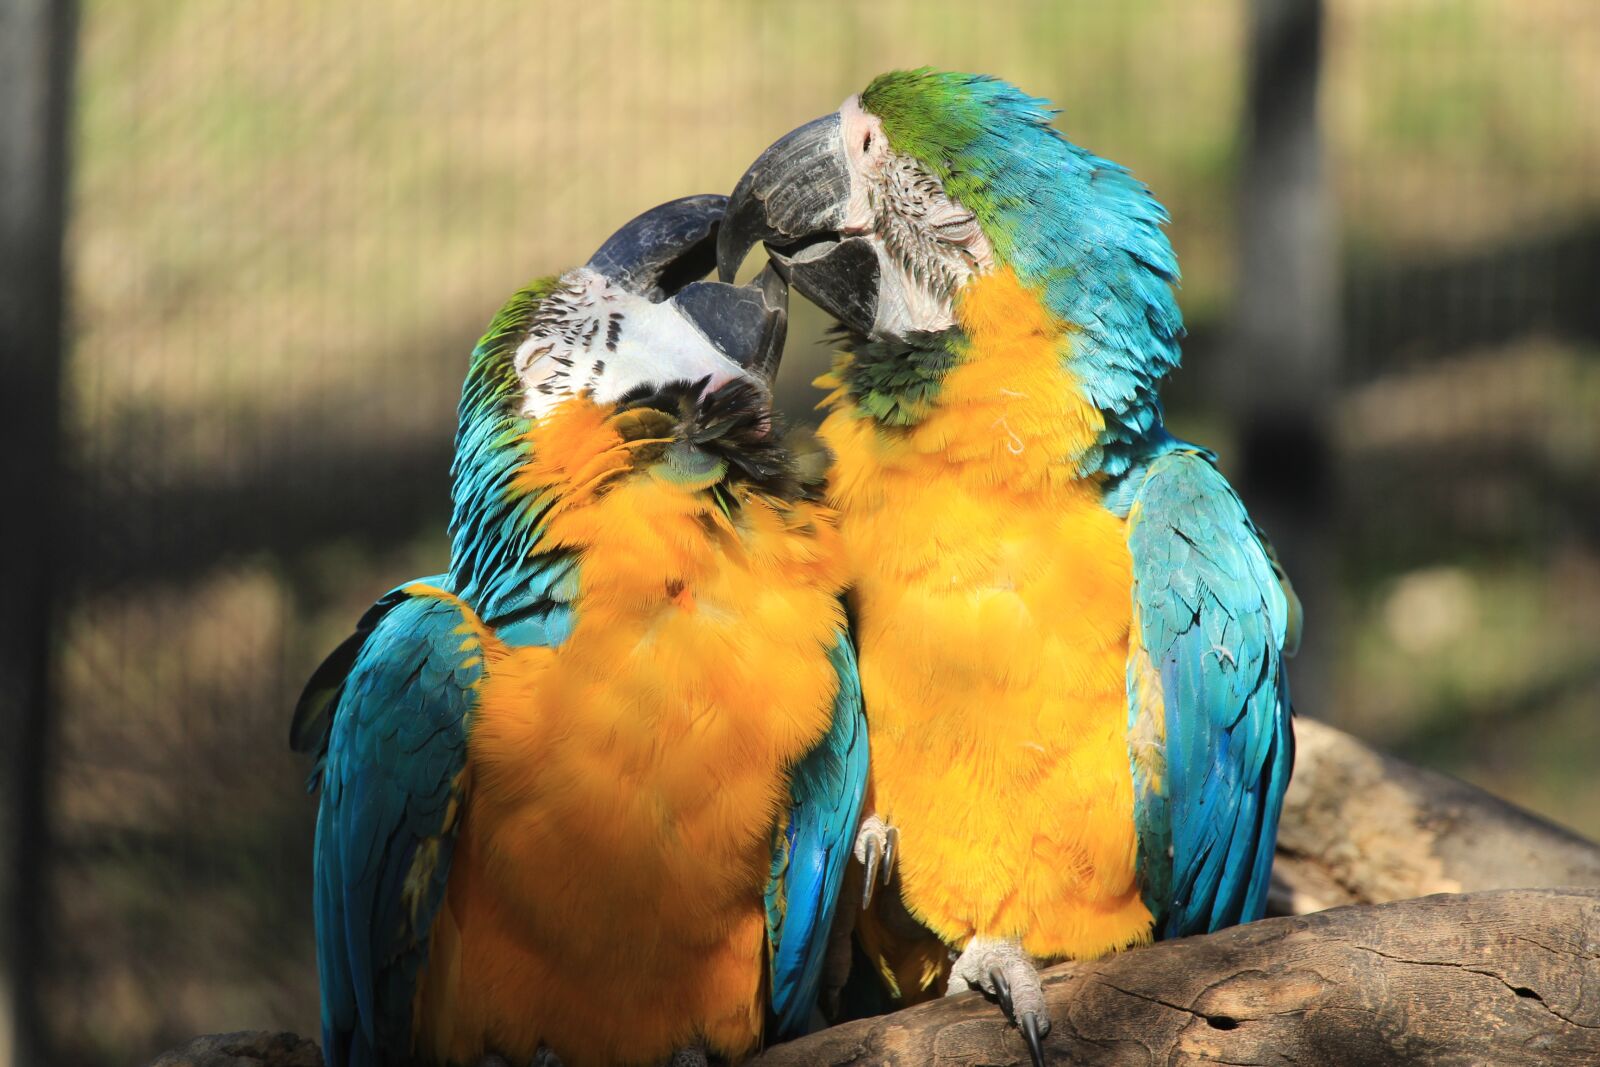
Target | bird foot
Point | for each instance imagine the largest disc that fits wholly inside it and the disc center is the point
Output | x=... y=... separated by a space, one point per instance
x=1003 y=970
x=875 y=846
x=692 y=1056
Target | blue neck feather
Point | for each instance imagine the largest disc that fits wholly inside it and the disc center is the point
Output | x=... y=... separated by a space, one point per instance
x=1080 y=229
x=1088 y=235
x=495 y=563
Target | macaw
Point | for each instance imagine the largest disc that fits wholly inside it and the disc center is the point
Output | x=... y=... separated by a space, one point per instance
x=1071 y=636
x=588 y=797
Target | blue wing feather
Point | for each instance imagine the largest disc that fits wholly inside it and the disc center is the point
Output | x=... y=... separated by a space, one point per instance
x=387 y=713
x=1212 y=622
x=394 y=748
x=811 y=850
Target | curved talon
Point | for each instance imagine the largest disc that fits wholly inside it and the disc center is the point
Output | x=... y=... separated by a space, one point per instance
x=1034 y=1032
x=1002 y=989
x=876 y=843
x=1002 y=968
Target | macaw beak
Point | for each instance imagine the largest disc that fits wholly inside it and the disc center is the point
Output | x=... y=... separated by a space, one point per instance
x=747 y=323
x=662 y=254
x=664 y=249
x=794 y=199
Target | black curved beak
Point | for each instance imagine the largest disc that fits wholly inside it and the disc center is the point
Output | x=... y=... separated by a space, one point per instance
x=662 y=254
x=793 y=199
x=659 y=252
x=747 y=323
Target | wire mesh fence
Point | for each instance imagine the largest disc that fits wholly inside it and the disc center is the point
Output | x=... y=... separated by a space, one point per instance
x=289 y=222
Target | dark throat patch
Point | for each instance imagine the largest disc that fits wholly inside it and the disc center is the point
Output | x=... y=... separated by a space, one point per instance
x=895 y=381
x=720 y=440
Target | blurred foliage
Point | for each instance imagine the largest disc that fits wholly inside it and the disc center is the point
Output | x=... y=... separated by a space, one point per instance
x=290 y=220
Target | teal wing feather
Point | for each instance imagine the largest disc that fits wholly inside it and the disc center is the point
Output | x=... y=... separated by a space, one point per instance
x=388 y=714
x=812 y=848
x=313 y=712
x=1213 y=619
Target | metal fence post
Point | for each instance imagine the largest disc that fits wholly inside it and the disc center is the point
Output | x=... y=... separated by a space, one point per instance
x=36 y=46
x=1279 y=381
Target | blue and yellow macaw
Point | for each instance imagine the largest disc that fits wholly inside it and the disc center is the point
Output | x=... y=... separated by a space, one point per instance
x=1071 y=636
x=589 y=795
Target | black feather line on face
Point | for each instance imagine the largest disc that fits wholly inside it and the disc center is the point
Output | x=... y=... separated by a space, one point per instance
x=735 y=424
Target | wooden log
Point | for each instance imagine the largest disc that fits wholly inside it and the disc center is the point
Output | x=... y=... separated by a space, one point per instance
x=248 y=1048
x=1508 y=977
x=1361 y=827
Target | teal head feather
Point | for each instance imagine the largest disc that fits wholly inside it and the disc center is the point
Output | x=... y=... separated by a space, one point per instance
x=1080 y=229
x=883 y=212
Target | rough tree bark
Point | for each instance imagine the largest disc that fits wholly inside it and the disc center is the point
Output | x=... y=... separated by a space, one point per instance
x=1508 y=977
x=1485 y=972
x=248 y=1048
x=1360 y=827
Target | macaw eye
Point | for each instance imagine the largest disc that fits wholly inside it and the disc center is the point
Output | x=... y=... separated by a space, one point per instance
x=866 y=142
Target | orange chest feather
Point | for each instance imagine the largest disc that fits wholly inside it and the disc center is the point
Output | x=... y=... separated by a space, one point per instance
x=994 y=594
x=624 y=787
x=973 y=529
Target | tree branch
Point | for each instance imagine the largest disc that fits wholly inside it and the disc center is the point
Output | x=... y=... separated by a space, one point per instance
x=1508 y=977
x=1360 y=827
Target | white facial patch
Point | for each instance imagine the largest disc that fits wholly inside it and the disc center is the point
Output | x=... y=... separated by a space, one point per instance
x=928 y=244
x=592 y=337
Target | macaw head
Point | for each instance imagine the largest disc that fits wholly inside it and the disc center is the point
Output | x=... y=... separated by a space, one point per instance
x=637 y=318
x=628 y=365
x=606 y=399
x=886 y=211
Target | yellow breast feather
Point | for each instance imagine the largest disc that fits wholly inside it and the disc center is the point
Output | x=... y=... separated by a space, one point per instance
x=993 y=600
x=625 y=785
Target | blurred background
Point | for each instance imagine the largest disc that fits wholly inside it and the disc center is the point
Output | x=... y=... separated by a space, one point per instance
x=285 y=223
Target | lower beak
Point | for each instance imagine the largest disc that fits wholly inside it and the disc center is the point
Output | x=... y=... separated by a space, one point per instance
x=747 y=323
x=839 y=276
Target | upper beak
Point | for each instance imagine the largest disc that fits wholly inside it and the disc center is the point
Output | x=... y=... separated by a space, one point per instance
x=659 y=252
x=794 y=198
x=747 y=323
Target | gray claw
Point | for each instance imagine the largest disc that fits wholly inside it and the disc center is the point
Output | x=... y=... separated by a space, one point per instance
x=1002 y=989
x=871 y=880
x=1034 y=1032
x=875 y=846
x=1003 y=969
